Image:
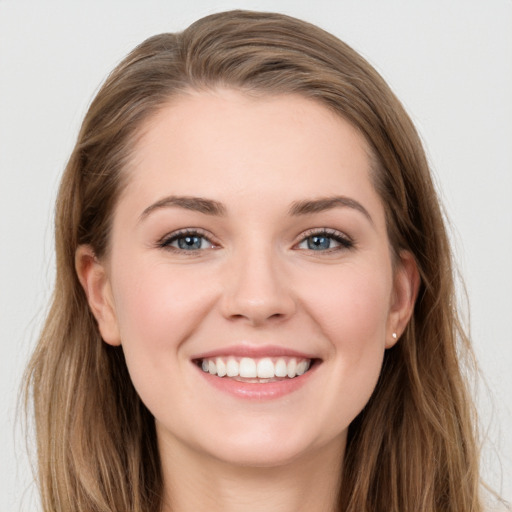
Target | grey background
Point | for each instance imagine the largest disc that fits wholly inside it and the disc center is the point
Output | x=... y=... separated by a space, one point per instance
x=451 y=65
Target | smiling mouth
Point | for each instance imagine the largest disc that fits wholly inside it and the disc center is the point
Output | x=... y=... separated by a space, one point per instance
x=251 y=370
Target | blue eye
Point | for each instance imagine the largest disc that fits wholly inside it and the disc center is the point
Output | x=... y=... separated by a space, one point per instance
x=190 y=242
x=186 y=241
x=325 y=241
x=318 y=243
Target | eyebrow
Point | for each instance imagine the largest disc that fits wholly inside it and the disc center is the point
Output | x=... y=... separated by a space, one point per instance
x=215 y=208
x=327 y=203
x=197 y=204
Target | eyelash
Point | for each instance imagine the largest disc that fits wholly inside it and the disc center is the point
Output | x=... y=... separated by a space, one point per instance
x=332 y=234
x=167 y=240
x=343 y=240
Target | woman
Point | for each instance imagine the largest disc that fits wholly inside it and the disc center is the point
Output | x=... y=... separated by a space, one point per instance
x=254 y=304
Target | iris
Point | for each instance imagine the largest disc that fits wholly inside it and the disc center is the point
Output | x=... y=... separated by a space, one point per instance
x=190 y=242
x=319 y=242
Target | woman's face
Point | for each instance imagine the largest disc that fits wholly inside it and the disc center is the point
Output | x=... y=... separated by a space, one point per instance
x=249 y=245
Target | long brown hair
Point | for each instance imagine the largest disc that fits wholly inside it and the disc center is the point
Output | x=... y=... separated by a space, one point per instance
x=413 y=446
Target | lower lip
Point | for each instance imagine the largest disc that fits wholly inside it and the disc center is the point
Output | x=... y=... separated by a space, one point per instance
x=257 y=390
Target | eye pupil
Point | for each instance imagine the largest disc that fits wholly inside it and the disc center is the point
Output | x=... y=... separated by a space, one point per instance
x=189 y=242
x=317 y=242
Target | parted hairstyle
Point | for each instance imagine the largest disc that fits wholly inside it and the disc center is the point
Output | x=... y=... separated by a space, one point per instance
x=413 y=447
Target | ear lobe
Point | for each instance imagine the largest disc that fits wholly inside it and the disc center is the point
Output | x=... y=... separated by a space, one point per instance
x=405 y=291
x=96 y=284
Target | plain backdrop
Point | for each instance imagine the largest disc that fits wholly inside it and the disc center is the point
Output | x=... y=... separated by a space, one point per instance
x=449 y=62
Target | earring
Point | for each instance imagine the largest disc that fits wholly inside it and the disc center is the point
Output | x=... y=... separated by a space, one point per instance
x=394 y=335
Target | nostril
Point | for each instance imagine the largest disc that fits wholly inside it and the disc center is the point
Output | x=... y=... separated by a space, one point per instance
x=276 y=316
x=256 y=318
x=273 y=308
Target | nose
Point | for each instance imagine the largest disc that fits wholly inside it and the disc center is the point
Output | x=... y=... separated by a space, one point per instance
x=257 y=289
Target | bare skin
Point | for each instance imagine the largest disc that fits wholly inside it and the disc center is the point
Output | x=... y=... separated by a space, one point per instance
x=250 y=229
x=308 y=484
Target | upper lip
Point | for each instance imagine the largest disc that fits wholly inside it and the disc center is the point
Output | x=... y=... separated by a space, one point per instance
x=255 y=352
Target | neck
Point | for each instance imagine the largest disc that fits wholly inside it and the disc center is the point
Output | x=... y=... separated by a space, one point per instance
x=194 y=482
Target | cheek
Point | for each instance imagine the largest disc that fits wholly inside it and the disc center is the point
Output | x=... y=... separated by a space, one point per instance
x=157 y=310
x=351 y=305
x=352 y=311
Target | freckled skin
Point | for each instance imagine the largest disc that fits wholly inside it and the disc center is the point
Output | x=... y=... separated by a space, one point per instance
x=254 y=281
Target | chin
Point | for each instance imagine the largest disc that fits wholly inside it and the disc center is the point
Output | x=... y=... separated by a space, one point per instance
x=270 y=447
x=262 y=455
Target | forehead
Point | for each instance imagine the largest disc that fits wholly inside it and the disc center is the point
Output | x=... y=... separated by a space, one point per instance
x=226 y=142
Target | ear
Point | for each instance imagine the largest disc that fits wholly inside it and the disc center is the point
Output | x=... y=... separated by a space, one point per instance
x=406 y=283
x=94 y=279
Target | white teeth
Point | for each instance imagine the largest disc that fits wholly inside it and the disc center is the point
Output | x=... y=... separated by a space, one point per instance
x=281 y=369
x=265 y=368
x=221 y=367
x=249 y=368
x=232 y=368
x=302 y=367
x=292 y=368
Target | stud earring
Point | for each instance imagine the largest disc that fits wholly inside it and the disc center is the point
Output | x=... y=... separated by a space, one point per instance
x=394 y=335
